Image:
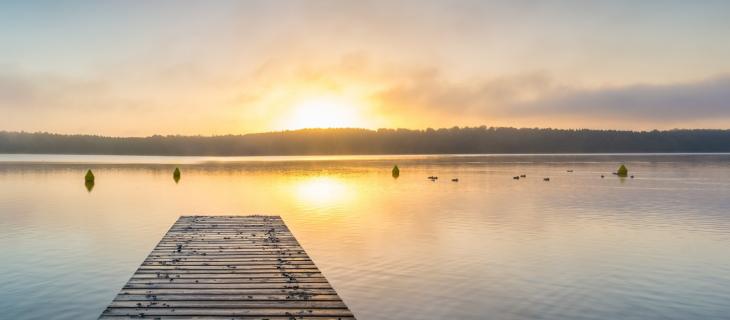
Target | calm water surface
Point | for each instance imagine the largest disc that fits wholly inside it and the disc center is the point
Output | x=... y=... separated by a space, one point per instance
x=486 y=247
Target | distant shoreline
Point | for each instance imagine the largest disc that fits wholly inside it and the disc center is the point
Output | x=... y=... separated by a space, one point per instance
x=362 y=142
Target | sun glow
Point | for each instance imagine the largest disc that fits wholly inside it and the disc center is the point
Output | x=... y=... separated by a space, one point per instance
x=325 y=112
x=323 y=190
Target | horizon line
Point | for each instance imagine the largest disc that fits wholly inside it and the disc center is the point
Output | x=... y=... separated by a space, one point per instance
x=357 y=128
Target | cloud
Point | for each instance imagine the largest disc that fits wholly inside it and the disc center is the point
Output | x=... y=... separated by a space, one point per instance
x=114 y=102
x=426 y=90
x=35 y=92
x=14 y=91
x=519 y=99
x=190 y=99
x=705 y=99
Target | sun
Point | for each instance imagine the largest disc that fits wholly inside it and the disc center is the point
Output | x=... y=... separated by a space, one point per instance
x=324 y=112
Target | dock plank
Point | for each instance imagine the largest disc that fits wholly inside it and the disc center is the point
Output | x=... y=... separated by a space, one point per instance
x=216 y=267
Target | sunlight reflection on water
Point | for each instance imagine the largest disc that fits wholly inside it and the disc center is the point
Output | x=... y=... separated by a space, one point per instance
x=488 y=246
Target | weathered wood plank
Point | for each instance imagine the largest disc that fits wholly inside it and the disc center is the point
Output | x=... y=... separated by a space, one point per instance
x=154 y=312
x=227 y=263
x=209 y=317
x=251 y=304
x=228 y=280
x=196 y=286
x=208 y=267
x=225 y=255
x=228 y=291
x=222 y=259
x=213 y=242
x=280 y=275
x=220 y=297
x=241 y=273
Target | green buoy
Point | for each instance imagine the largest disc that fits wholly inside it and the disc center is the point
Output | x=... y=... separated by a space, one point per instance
x=622 y=171
x=89 y=177
x=89 y=180
x=176 y=175
x=396 y=172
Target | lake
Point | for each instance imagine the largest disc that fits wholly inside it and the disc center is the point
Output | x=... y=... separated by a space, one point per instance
x=486 y=247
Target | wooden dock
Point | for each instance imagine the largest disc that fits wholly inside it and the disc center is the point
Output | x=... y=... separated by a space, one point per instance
x=228 y=267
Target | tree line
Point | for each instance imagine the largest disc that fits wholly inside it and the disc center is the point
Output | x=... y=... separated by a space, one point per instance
x=464 y=140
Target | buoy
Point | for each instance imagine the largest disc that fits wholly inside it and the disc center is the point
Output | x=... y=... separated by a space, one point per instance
x=89 y=180
x=396 y=171
x=622 y=171
x=176 y=174
x=89 y=177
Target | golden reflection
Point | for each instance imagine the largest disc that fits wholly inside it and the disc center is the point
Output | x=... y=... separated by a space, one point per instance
x=323 y=190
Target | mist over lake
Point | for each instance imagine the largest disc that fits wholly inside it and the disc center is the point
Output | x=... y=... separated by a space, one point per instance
x=488 y=246
x=406 y=160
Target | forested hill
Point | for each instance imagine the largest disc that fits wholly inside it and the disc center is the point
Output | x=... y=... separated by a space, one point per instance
x=383 y=141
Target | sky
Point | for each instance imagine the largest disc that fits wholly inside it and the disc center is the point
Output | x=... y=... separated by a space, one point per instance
x=137 y=68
